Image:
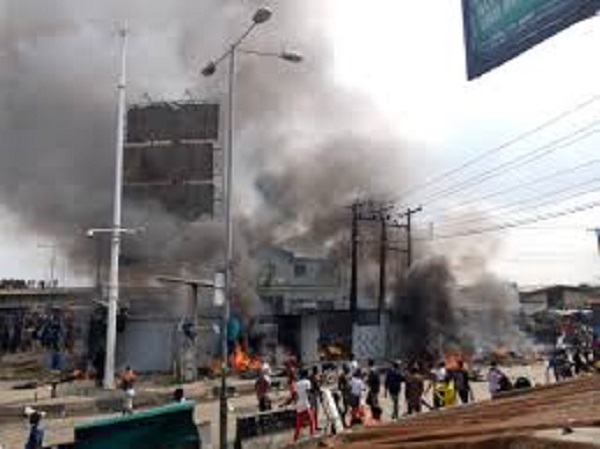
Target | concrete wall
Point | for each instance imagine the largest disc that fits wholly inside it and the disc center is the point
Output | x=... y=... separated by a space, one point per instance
x=532 y=303
x=208 y=344
x=147 y=345
x=309 y=338
x=370 y=341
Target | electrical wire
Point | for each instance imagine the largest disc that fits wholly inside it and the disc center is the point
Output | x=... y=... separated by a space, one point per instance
x=546 y=124
x=583 y=133
x=541 y=179
x=518 y=223
x=549 y=197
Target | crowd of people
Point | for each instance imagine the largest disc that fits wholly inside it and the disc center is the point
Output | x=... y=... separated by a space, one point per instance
x=563 y=364
x=355 y=396
x=25 y=330
x=26 y=284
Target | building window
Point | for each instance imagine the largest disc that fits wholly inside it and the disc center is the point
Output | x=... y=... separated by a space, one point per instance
x=299 y=270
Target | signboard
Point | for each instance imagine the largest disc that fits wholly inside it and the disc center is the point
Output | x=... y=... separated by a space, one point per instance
x=169 y=157
x=169 y=426
x=174 y=162
x=499 y=30
x=172 y=120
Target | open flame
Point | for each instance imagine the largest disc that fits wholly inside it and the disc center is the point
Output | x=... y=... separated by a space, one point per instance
x=240 y=360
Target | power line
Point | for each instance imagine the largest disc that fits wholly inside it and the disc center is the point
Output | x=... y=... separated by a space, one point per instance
x=517 y=223
x=541 y=179
x=444 y=175
x=519 y=161
x=550 y=198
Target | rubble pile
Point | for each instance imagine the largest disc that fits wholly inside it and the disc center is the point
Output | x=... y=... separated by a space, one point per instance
x=500 y=423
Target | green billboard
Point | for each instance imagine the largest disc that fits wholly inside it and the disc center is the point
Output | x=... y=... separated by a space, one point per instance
x=498 y=30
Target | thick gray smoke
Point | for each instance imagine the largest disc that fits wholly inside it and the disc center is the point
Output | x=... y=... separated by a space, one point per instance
x=438 y=316
x=489 y=315
x=304 y=147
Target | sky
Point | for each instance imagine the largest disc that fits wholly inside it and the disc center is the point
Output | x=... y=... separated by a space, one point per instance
x=408 y=57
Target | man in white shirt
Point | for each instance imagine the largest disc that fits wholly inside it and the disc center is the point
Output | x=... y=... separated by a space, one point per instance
x=303 y=409
x=357 y=388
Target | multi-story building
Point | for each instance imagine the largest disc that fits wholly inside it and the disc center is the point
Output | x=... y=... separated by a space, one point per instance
x=558 y=297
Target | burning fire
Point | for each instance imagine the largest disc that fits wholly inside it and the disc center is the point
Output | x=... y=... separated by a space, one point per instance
x=240 y=360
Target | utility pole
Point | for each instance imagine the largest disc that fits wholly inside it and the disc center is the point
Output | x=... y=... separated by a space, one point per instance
x=189 y=362
x=380 y=214
x=386 y=220
x=409 y=250
x=354 y=263
x=382 y=263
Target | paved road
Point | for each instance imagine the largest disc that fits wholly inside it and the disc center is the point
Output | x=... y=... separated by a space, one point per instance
x=12 y=435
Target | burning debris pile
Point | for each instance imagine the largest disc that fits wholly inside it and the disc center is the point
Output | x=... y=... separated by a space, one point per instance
x=441 y=320
x=428 y=319
x=241 y=360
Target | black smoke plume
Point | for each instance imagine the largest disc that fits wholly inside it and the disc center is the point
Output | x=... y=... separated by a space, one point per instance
x=428 y=321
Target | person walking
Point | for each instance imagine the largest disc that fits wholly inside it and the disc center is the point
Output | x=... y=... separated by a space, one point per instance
x=439 y=384
x=262 y=387
x=579 y=364
x=291 y=387
x=315 y=394
x=128 y=379
x=462 y=383
x=497 y=380
x=393 y=386
x=353 y=363
x=303 y=406
x=344 y=392
x=35 y=438
x=357 y=388
x=98 y=365
x=374 y=384
x=413 y=392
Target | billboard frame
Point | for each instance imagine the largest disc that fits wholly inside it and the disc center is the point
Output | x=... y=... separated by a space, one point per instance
x=516 y=28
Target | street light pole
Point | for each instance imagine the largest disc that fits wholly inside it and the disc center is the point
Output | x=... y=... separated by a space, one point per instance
x=261 y=15
x=228 y=248
x=115 y=248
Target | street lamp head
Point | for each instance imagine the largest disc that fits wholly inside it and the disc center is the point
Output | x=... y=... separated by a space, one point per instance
x=210 y=69
x=291 y=56
x=262 y=15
